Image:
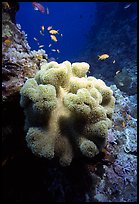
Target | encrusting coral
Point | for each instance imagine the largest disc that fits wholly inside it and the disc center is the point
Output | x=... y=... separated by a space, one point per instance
x=67 y=113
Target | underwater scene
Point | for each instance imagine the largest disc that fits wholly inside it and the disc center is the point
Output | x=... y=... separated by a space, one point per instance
x=69 y=101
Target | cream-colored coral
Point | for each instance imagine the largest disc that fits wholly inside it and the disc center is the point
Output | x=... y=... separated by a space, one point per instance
x=67 y=113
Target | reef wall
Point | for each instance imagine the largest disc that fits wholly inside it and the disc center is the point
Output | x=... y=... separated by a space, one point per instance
x=18 y=64
x=114 y=33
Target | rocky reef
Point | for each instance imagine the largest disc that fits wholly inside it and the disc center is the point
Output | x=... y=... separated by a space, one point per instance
x=18 y=61
x=114 y=33
x=119 y=182
x=126 y=80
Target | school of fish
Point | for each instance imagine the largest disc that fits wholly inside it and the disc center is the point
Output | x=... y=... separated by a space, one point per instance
x=52 y=32
x=39 y=7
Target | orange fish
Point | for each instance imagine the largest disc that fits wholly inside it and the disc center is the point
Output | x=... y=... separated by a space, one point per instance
x=49 y=28
x=123 y=124
x=42 y=27
x=103 y=57
x=129 y=117
x=53 y=38
x=7 y=42
x=53 y=31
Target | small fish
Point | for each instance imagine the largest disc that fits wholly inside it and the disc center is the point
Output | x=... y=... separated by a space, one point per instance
x=117 y=72
x=61 y=35
x=53 y=50
x=42 y=27
x=53 y=38
x=54 y=31
x=41 y=46
x=38 y=7
x=7 y=42
x=47 y=10
x=123 y=124
x=49 y=28
x=113 y=61
x=103 y=57
x=35 y=39
x=129 y=117
x=50 y=45
x=121 y=83
x=41 y=33
x=127 y=5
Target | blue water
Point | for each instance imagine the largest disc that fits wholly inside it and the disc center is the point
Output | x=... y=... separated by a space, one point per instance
x=72 y=19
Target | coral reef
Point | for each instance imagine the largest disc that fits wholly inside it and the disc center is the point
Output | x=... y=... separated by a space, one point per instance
x=126 y=81
x=66 y=111
x=84 y=180
x=119 y=180
x=18 y=61
x=111 y=175
x=18 y=64
x=9 y=10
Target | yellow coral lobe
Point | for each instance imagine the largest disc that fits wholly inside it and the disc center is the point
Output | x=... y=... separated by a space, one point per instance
x=80 y=69
x=66 y=110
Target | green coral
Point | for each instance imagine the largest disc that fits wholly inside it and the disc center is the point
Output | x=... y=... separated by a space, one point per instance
x=67 y=113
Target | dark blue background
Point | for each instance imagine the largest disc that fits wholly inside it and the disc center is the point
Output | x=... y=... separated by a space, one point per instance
x=72 y=19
